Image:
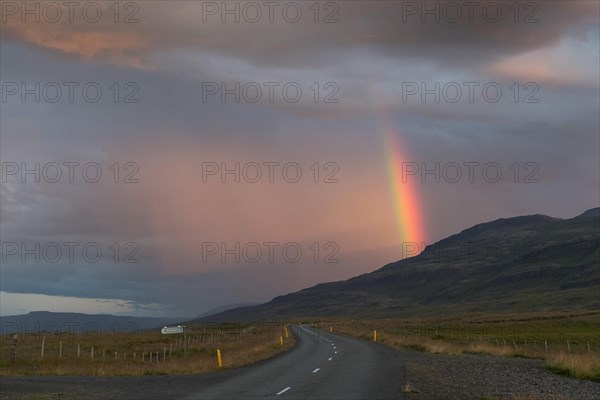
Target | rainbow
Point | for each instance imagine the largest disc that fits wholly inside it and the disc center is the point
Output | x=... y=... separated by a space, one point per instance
x=405 y=197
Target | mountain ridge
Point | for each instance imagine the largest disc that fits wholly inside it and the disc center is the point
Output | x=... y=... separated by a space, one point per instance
x=72 y=322
x=519 y=263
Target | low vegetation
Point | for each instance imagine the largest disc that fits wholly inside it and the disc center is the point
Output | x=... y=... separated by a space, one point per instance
x=408 y=388
x=141 y=353
x=569 y=342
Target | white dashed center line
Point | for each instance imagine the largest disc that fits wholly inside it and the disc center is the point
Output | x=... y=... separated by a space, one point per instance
x=316 y=370
x=284 y=390
x=330 y=359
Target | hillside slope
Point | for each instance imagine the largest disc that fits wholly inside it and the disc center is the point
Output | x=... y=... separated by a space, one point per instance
x=527 y=263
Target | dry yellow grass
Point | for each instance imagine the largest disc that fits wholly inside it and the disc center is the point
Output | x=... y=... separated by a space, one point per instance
x=511 y=335
x=133 y=352
x=582 y=366
x=408 y=388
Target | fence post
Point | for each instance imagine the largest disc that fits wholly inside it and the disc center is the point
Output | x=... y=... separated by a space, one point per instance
x=92 y=352
x=164 y=354
x=43 y=342
x=568 y=345
x=78 y=350
x=185 y=343
x=546 y=345
x=14 y=347
x=60 y=349
x=589 y=350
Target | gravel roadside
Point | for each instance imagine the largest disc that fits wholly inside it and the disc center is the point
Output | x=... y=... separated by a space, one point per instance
x=441 y=376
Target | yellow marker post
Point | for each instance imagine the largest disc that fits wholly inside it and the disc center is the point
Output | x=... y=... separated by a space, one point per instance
x=281 y=340
x=375 y=335
x=219 y=358
x=331 y=329
x=286 y=333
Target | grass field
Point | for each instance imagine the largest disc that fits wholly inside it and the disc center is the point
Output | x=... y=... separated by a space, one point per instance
x=569 y=342
x=141 y=353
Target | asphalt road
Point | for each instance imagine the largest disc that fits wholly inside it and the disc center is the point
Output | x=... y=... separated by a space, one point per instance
x=321 y=366
x=325 y=366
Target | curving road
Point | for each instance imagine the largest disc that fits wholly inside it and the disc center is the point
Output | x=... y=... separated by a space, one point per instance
x=321 y=366
x=325 y=366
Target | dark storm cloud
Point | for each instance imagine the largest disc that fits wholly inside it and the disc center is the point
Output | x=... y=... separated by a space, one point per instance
x=393 y=27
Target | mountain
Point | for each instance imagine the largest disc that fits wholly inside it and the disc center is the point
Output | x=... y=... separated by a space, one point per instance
x=526 y=263
x=594 y=212
x=38 y=321
x=221 y=309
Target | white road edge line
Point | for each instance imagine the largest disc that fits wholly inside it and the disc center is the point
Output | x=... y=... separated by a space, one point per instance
x=284 y=390
x=316 y=370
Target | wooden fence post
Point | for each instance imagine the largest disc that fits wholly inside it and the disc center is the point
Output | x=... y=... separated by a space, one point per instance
x=14 y=347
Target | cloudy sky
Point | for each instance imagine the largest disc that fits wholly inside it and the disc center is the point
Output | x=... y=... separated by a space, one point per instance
x=168 y=157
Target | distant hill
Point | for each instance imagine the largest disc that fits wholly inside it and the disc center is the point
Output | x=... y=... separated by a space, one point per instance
x=74 y=322
x=594 y=212
x=526 y=263
x=221 y=309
